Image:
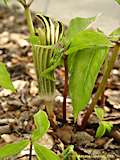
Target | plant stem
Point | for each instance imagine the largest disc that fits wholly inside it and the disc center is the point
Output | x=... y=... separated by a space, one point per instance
x=101 y=86
x=30 y=153
x=65 y=87
x=29 y=20
x=28 y=14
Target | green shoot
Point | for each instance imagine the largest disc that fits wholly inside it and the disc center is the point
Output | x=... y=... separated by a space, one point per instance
x=103 y=125
x=42 y=124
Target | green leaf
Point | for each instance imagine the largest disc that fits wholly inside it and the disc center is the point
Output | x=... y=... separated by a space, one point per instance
x=85 y=67
x=88 y=39
x=78 y=24
x=115 y=35
x=69 y=153
x=42 y=125
x=45 y=154
x=108 y=125
x=5 y=81
x=118 y=1
x=103 y=127
x=100 y=130
x=100 y=113
x=6 y=1
x=12 y=149
x=34 y=40
x=56 y=62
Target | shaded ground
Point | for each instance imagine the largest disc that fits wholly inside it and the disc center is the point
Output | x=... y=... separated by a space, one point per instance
x=17 y=109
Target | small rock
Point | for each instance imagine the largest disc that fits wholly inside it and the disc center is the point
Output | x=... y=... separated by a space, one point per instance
x=5 y=129
x=82 y=138
x=24 y=116
x=116 y=135
x=5 y=92
x=65 y=134
x=14 y=105
x=33 y=88
x=101 y=141
x=47 y=141
x=19 y=38
x=4 y=38
x=7 y=138
x=19 y=84
x=36 y=101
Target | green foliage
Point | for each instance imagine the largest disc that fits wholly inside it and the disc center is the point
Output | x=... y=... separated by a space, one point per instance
x=115 y=35
x=55 y=61
x=5 y=81
x=100 y=130
x=34 y=40
x=100 y=113
x=45 y=154
x=87 y=50
x=85 y=66
x=103 y=125
x=88 y=39
x=12 y=149
x=69 y=153
x=42 y=124
x=86 y=53
x=78 y=24
x=6 y=1
x=118 y=1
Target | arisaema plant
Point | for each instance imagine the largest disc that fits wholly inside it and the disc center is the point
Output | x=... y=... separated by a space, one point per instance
x=43 y=53
x=83 y=50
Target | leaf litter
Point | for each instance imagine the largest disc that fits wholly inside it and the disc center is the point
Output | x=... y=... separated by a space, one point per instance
x=17 y=109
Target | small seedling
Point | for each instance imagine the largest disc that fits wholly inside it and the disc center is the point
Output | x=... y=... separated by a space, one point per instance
x=70 y=154
x=42 y=124
x=103 y=125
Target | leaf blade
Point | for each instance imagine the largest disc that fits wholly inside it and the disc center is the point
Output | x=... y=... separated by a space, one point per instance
x=88 y=39
x=115 y=35
x=100 y=113
x=12 y=149
x=100 y=131
x=5 y=81
x=42 y=125
x=78 y=24
x=85 y=68
x=45 y=154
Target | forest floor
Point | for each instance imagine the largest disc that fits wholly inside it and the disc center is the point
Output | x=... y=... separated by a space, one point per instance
x=17 y=109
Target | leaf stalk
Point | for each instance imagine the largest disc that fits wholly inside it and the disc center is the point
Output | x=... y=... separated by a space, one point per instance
x=65 y=87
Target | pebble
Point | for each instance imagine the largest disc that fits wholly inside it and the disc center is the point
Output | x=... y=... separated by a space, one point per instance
x=82 y=138
x=19 y=84
x=7 y=138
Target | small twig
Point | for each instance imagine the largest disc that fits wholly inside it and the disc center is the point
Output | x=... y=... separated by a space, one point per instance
x=30 y=153
x=65 y=87
x=102 y=101
x=25 y=155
